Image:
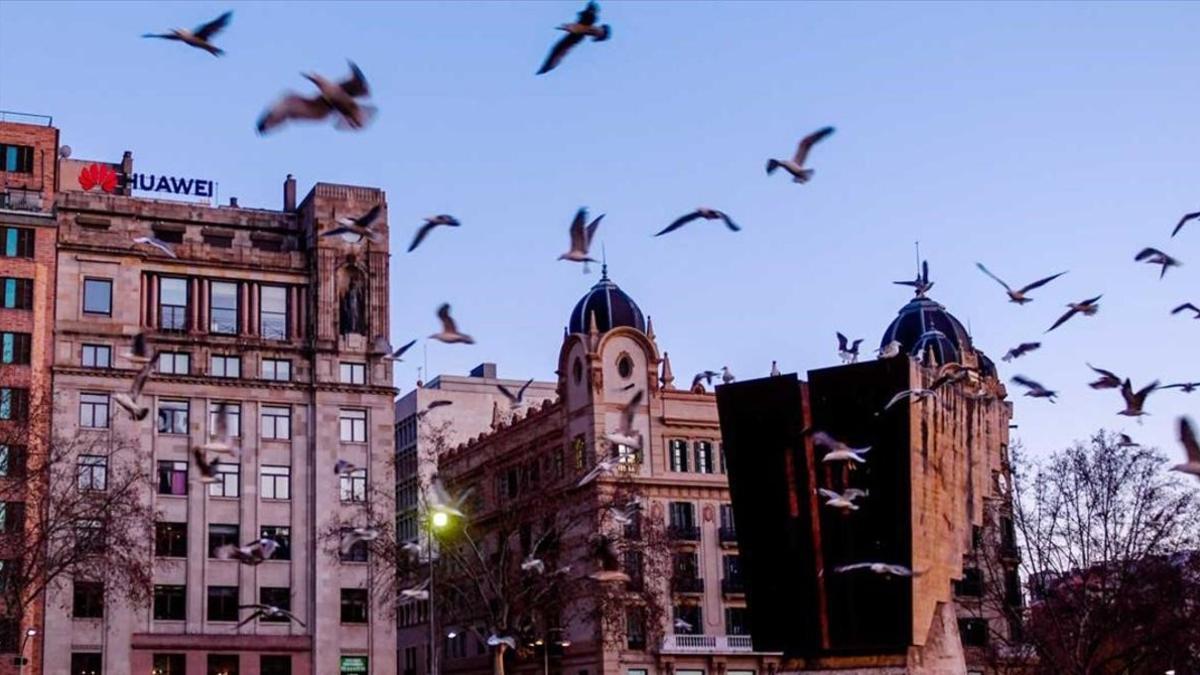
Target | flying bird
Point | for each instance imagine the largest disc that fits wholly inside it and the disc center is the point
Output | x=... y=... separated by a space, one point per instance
x=420 y=592
x=795 y=165
x=251 y=554
x=1020 y=350
x=517 y=399
x=1185 y=387
x=706 y=375
x=430 y=223
x=604 y=467
x=1034 y=389
x=1153 y=256
x=842 y=501
x=207 y=469
x=702 y=212
x=917 y=394
x=1135 y=401
x=584 y=26
x=1108 y=379
x=1088 y=307
x=1019 y=296
x=434 y=405
x=357 y=229
x=382 y=346
x=627 y=513
x=449 y=333
x=200 y=37
x=156 y=243
x=1183 y=220
x=681 y=625
x=581 y=238
x=267 y=612
x=848 y=350
x=1187 y=436
x=532 y=564
x=129 y=400
x=344 y=468
x=838 y=451
x=625 y=434
x=220 y=437
x=332 y=97
x=440 y=499
x=355 y=535
x=890 y=350
x=1126 y=441
x=885 y=569
x=139 y=352
x=921 y=284
x=508 y=641
x=950 y=373
x=1187 y=307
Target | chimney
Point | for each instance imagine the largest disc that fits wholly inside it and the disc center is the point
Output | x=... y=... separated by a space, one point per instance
x=485 y=370
x=233 y=202
x=289 y=193
x=127 y=171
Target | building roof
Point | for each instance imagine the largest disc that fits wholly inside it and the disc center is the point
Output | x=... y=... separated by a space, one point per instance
x=923 y=323
x=611 y=306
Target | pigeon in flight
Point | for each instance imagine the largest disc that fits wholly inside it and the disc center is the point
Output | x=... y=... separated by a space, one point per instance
x=220 y=437
x=156 y=243
x=1183 y=220
x=838 y=451
x=625 y=433
x=1034 y=389
x=890 y=350
x=1088 y=307
x=1187 y=307
x=584 y=26
x=355 y=535
x=581 y=238
x=921 y=284
x=702 y=212
x=129 y=400
x=518 y=399
x=682 y=626
x=430 y=223
x=885 y=569
x=1153 y=256
x=795 y=165
x=1108 y=379
x=843 y=501
x=1185 y=387
x=726 y=375
x=382 y=346
x=339 y=97
x=200 y=37
x=1020 y=350
x=916 y=395
x=357 y=229
x=267 y=612
x=417 y=593
x=1135 y=401
x=251 y=554
x=1187 y=436
x=604 y=550
x=139 y=352
x=848 y=350
x=1126 y=441
x=706 y=375
x=449 y=333
x=1019 y=296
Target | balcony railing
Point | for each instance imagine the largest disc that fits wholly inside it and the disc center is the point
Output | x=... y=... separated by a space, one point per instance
x=706 y=644
x=684 y=533
x=21 y=200
x=685 y=584
x=728 y=536
x=733 y=586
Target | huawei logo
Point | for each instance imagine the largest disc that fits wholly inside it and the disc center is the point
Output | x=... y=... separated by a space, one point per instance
x=98 y=175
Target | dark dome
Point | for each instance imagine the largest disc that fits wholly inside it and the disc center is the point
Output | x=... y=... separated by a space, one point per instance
x=923 y=322
x=611 y=306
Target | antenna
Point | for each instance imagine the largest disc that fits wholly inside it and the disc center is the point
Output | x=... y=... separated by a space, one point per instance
x=917 y=246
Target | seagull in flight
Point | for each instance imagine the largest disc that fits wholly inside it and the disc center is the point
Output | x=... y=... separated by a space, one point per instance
x=251 y=554
x=1135 y=401
x=267 y=612
x=358 y=534
x=129 y=400
x=1020 y=350
x=842 y=501
x=430 y=223
x=681 y=625
x=1187 y=307
x=357 y=229
x=508 y=641
x=220 y=437
x=848 y=350
x=950 y=373
x=1185 y=387
x=382 y=346
x=1019 y=296
x=917 y=394
x=207 y=469
x=1034 y=389
x=332 y=97
x=440 y=499
x=706 y=375
x=200 y=37
x=1108 y=379
x=532 y=564
x=921 y=284
x=449 y=333
x=584 y=26
x=838 y=451
x=420 y=592
x=1088 y=307
x=625 y=434
x=433 y=405
x=139 y=352
x=581 y=238
x=885 y=569
x=625 y=515
x=795 y=165
x=1126 y=441
x=344 y=468
x=515 y=400
x=1153 y=256
x=604 y=467
x=890 y=350
x=702 y=212
x=1187 y=436
x=1183 y=220
x=156 y=243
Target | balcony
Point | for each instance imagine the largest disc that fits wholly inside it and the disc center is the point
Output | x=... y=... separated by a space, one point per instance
x=687 y=584
x=15 y=199
x=728 y=536
x=684 y=533
x=733 y=587
x=707 y=644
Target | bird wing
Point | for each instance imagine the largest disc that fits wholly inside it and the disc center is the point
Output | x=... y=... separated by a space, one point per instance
x=254 y=615
x=1183 y=220
x=729 y=221
x=521 y=391
x=367 y=219
x=438 y=404
x=1140 y=397
x=1063 y=319
x=807 y=142
x=989 y=273
x=221 y=428
x=560 y=49
x=679 y=222
x=1105 y=373
x=1127 y=392
x=1147 y=253
x=344 y=229
x=1187 y=436
x=1026 y=382
x=1041 y=282
x=293 y=106
x=897 y=398
x=629 y=411
x=164 y=36
x=852 y=567
x=292 y=617
x=578 y=234
x=828 y=494
x=507 y=392
x=1187 y=306
x=139 y=380
x=206 y=31
x=854 y=345
x=420 y=236
x=356 y=85
x=400 y=352
x=824 y=440
x=448 y=324
x=841 y=342
x=589 y=14
x=202 y=461
x=591 y=229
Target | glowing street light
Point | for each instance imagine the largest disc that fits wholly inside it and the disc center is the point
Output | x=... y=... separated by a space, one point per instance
x=439 y=520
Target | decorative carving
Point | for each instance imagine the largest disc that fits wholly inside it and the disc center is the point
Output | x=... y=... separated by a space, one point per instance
x=353 y=304
x=709 y=513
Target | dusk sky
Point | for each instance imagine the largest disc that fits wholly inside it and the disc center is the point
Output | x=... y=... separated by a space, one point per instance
x=1033 y=137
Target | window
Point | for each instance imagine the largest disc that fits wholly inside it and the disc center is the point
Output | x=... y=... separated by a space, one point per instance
x=170 y=540
x=275 y=664
x=16 y=293
x=735 y=621
x=221 y=535
x=172 y=303
x=88 y=600
x=93 y=411
x=229 y=480
x=174 y=363
x=721 y=452
x=635 y=627
x=688 y=620
x=97 y=296
x=14 y=404
x=632 y=566
x=170 y=664
x=218 y=240
x=628 y=457
x=277 y=369
x=353 y=425
x=223 y=664
x=172 y=417
x=233 y=417
x=275 y=482
x=17 y=242
x=353 y=373
x=16 y=158
x=625 y=366
x=683 y=516
x=223 y=308
x=12 y=517
x=12 y=461
x=354 y=605
x=686 y=570
x=275 y=597
x=282 y=536
x=974 y=632
x=728 y=531
x=222 y=603
x=14 y=348
x=356 y=553
x=679 y=455
x=170 y=603
x=731 y=574
x=96 y=356
x=276 y=422
x=354 y=486
x=86 y=663
x=579 y=452
x=273 y=313
x=971 y=585
x=704 y=457
x=89 y=536
x=92 y=472
x=222 y=365
x=172 y=478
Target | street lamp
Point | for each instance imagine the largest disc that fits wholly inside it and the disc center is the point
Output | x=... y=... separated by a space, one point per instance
x=29 y=632
x=438 y=519
x=545 y=645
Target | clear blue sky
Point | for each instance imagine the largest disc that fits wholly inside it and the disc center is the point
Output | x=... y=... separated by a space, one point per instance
x=1034 y=137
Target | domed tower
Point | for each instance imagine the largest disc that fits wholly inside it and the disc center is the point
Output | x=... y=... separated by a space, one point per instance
x=611 y=306
x=923 y=326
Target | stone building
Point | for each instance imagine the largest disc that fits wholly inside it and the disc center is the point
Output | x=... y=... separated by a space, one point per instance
x=260 y=314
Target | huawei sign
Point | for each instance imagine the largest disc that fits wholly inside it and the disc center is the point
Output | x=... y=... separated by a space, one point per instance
x=98 y=175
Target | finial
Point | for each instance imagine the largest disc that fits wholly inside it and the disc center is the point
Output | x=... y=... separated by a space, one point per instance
x=650 y=328
x=603 y=263
x=668 y=378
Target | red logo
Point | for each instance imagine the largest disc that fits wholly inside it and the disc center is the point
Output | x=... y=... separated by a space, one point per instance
x=98 y=175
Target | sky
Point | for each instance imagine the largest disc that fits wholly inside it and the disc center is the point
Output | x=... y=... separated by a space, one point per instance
x=1034 y=137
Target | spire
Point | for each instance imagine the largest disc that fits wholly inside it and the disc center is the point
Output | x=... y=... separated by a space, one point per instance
x=668 y=378
x=650 y=328
x=603 y=263
x=495 y=414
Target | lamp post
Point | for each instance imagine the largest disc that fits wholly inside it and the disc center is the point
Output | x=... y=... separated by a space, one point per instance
x=545 y=645
x=437 y=520
x=29 y=632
